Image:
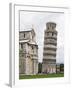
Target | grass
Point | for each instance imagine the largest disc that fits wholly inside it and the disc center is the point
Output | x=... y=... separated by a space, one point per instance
x=41 y=76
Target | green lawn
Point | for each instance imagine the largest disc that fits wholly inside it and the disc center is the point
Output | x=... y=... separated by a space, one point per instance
x=40 y=76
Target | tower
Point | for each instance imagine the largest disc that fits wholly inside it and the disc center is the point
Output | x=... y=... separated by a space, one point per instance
x=50 y=47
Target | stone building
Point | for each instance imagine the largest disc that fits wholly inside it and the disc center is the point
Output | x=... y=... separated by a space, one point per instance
x=50 y=47
x=28 y=53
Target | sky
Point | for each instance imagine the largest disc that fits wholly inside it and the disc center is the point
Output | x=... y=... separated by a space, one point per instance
x=38 y=20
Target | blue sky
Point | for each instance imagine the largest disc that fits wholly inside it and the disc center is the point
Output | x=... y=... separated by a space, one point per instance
x=38 y=21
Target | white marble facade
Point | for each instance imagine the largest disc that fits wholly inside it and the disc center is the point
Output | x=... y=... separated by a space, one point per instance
x=28 y=53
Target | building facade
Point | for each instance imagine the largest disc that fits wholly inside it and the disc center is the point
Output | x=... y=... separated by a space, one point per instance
x=28 y=53
x=50 y=47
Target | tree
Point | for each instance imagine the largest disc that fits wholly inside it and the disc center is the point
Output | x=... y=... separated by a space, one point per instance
x=62 y=68
x=39 y=67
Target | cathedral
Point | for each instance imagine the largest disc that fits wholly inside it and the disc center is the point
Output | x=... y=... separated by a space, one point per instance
x=28 y=53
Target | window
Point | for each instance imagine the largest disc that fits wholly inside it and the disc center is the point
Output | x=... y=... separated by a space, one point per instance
x=47 y=33
x=52 y=27
x=32 y=47
x=24 y=35
x=52 y=34
x=21 y=46
x=48 y=27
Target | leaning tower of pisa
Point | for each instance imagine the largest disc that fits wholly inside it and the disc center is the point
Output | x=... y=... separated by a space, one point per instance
x=50 y=47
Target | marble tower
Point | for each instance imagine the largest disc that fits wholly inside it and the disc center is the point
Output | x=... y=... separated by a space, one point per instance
x=50 y=47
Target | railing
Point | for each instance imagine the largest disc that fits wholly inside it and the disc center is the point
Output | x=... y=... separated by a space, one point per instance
x=49 y=58
x=47 y=54
x=52 y=43
x=50 y=46
x=50 y=52
x=50 y=37
x=50 y=40
x=47 y=48
x=50 y=31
